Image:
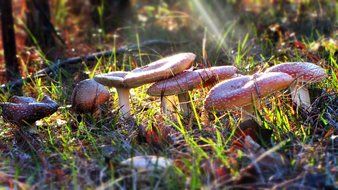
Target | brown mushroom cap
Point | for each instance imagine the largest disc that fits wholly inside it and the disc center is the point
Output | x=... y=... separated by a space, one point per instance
x=112 y=79
x=189 y=80
x=241 y=91
x=26 y=110
x=88 y=95
x=49 y=103
x=159 y=70
x=303 y=71
x=22 y=99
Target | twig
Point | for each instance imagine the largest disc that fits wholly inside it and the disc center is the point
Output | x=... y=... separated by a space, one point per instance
x=287 y=183
x=11 y=180
x=54 y=67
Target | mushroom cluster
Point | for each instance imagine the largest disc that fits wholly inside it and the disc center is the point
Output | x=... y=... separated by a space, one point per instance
x=171 y=75
x=174 y=76
x=244 y=91
x=153 y=72
x=22 y=110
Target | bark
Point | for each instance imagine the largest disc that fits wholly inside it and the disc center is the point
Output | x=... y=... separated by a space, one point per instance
x=8 y=38
x=42 y=31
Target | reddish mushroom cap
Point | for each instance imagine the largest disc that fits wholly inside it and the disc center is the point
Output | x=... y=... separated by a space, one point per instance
x=22 y=99
x=189 y=80
x=25 y=110
x=159 y=70
x=303 y=71
x=88 y=95
x=241 y=91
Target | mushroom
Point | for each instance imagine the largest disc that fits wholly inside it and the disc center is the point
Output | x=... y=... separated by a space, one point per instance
x=115 y=79
x=188 y=80
x=88 y=95
x=158 y=70
x=147 y=163
x=26 y=110
x=243 y=91
x=140 y=171
x=22 y=99
x=304 y=73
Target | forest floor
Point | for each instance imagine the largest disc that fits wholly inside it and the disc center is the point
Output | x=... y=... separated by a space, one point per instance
x=289 y=149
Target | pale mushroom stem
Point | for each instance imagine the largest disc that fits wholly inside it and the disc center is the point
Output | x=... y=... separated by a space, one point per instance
x=247 y=112
x=184 y=100
x=300 y=95
x=205 y=117
x=167 y=104
x=124 y=104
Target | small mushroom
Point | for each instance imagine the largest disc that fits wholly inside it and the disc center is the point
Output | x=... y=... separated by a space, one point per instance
x=147 y=163
x=158 y=70
x=88 y=95
x=22 y=99
x=243 y=91
x=115 y=79
x=303 y=73
x=188 y=80
x=26 y=110
x=140 y=171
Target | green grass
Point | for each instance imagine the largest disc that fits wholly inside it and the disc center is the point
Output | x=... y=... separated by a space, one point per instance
x=67 y=152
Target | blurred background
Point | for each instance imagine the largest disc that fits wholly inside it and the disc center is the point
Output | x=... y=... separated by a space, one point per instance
x=243 y=32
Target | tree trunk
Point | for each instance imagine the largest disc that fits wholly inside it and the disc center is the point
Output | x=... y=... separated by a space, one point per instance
x=40 y=27
x=8 y=38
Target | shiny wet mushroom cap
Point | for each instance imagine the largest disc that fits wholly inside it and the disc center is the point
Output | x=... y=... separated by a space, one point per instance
x=88 y=95
x=303 y=71
x=186 y=81
x=25 y=110
x=189 y=80
x=242 y=91
x=162 y=69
